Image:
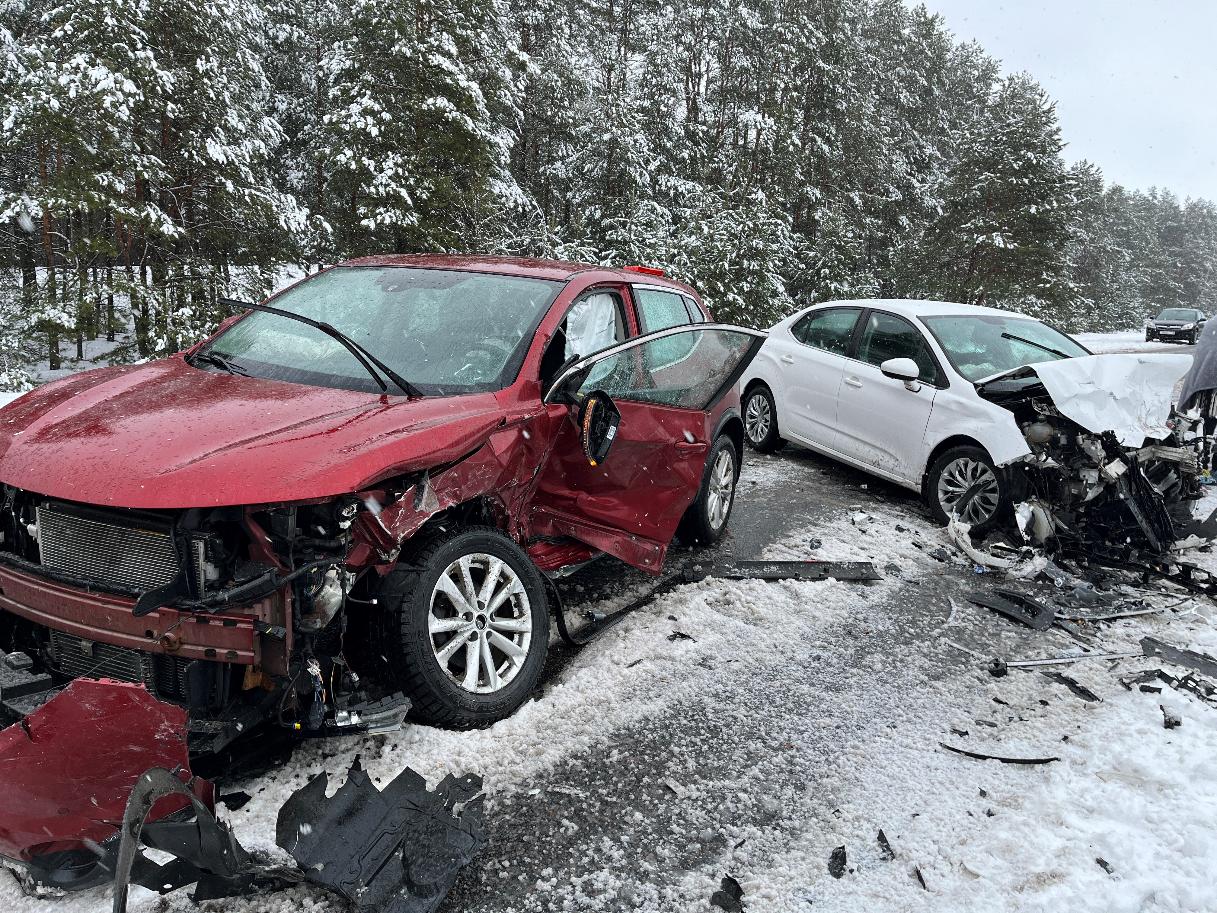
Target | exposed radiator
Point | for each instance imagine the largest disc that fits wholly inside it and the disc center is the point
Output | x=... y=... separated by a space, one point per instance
x=164 y=675
x=93 y=548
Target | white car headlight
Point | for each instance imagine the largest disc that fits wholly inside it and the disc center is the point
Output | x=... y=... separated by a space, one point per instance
x=1187 y=326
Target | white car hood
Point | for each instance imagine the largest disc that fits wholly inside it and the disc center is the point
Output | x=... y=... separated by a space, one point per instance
x=1129 y=394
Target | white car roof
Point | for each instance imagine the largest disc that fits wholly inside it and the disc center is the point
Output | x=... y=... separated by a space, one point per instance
x=915 y=308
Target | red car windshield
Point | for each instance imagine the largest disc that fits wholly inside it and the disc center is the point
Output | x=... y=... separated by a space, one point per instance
x=445 y=331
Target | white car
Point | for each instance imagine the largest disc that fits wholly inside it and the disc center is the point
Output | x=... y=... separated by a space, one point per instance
x=891 y=387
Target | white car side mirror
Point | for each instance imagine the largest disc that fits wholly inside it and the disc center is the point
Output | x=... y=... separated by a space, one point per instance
x=904 y=369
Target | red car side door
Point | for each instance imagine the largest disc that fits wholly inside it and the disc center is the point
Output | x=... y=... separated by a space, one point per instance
x=665 y=385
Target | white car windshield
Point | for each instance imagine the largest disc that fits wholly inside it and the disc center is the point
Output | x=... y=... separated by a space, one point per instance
x=982 y=345
x=443 y=331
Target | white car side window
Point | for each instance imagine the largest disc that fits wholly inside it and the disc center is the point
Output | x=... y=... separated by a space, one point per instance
x=591 y=325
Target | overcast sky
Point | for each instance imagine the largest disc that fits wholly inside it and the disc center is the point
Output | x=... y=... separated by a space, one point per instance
x=1135 y=80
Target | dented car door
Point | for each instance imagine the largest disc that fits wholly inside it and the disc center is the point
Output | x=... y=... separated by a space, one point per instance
x=665 y=386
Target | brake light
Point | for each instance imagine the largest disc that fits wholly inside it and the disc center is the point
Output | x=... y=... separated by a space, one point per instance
x=645 y=270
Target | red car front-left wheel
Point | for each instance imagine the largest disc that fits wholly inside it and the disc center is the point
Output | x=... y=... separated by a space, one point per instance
x=469 y=627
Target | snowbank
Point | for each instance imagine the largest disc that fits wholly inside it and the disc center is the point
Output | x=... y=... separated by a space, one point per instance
x=1119 y=341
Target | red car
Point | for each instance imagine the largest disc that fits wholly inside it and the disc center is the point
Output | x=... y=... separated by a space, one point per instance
x=349 y=500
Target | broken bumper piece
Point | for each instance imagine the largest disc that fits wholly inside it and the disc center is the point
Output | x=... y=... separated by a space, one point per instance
x=66 y=772
x=396 y=851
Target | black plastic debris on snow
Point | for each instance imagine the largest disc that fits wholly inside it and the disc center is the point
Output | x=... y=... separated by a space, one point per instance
x=1072 y=684
x=885 y=847
x=396 y=851
x=596 y=624
x=235 y=800
x=981 y=756
x=837 y=862
x=1017 y=606
x=205 y=852
x=729 y=896
x=393 y=851
x=861 y=571
x=1170 y=719
x=1150 y=681
x=1189 y=659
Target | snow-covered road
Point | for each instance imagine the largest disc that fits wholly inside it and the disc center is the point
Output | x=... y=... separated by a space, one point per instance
x=801 y=717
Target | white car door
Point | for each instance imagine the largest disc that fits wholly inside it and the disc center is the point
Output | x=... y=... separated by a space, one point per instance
x=811 y=359
x=880 y=422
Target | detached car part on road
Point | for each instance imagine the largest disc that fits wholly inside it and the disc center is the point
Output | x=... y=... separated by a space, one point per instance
x=992 y=416
x=345 y=503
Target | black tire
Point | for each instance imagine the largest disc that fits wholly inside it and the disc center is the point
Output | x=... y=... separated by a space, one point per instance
x=706 y=520
x=759 y=399
x=1191 y=340
x=406 y=596
x=976 y=455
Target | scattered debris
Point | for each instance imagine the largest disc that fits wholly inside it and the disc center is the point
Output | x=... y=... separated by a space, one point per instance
x=67 y=742
x=1189 y=683
x=1107 y=616
x=1189 y=659
x=783 y=570
x=235 y=801
x=396 y=851
x=729 y=896
x=885 y=848
x=1018 y=606
x=681 y=635
x=679 y=791
x=814 y=544
x=1054 y=661
x=1170 y=719
x=998 y=668
x=837 y=862
x=1105 y=865
x=1073 y=685
x=980 y=756
x=920 y=878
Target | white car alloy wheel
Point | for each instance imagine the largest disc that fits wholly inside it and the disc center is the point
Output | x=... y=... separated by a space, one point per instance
x=965 y=476
x=480 y=623
x=757 y=417
x=721 y=489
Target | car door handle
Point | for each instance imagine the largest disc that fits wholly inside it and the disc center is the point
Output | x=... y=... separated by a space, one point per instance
x=787 y=359
x=690 y=446
x=853 y=381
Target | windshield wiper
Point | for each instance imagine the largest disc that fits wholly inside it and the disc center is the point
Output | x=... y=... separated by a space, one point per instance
x=1039 y=345
x=362 y=355
x=219 y=361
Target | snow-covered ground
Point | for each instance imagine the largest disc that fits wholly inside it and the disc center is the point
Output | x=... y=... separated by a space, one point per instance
x=806 y=716
x=805 y=749
x=1118 y=341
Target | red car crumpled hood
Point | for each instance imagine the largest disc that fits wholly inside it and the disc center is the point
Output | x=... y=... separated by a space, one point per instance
x=167 y=435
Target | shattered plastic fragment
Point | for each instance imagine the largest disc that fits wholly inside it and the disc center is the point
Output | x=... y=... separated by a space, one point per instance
x=729 y=896
x=980 y=756
x=1018 y=606
x=396 y=851
x=50 y=756
x=837 y=862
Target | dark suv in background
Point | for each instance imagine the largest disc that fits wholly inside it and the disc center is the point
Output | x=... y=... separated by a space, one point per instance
x=1176 y=325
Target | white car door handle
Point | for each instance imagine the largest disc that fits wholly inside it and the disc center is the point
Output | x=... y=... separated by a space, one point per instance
x=787 y=359
x=853 y=381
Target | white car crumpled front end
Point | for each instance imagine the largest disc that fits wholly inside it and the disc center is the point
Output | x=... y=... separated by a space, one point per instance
x=1099 y=460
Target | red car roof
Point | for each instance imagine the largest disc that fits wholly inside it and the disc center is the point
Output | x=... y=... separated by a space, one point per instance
x=509 y=266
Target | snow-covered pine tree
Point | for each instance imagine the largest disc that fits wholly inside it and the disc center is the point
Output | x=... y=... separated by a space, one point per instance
x=420 y=117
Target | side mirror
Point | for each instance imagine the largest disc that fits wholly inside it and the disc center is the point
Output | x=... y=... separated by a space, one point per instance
x=900 y=369
x=598 y=421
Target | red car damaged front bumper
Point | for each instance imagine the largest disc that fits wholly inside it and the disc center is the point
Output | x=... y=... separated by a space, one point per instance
x=67 y=770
